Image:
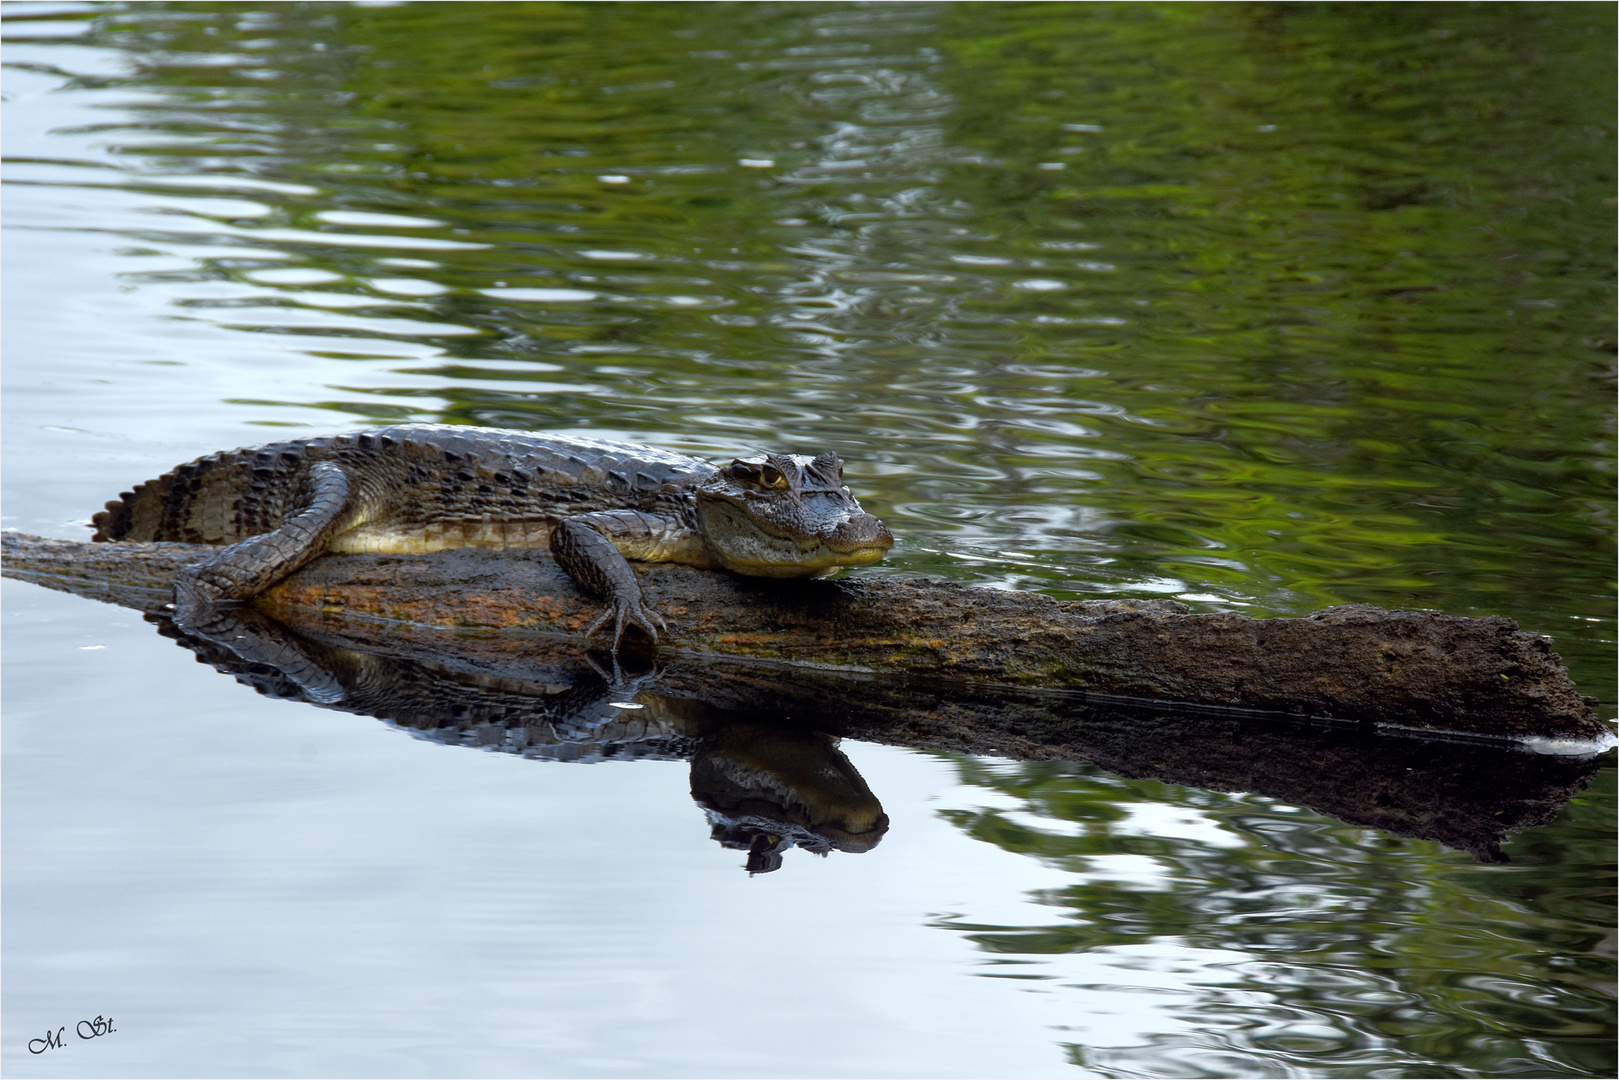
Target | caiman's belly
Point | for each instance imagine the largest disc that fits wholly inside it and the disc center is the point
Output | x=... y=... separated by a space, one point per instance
x=658 y=539
x=394 y=539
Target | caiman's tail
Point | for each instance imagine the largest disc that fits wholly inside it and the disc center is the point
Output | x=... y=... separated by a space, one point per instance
x=118 y=520
x=161 y=509
x=217 y=499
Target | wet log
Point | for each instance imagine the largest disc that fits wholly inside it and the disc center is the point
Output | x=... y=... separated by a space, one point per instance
x=1405 y=669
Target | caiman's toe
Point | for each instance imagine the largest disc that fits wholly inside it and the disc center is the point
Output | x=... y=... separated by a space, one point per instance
x=627 y=611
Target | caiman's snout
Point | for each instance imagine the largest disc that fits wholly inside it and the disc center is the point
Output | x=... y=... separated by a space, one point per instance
x=861 y=534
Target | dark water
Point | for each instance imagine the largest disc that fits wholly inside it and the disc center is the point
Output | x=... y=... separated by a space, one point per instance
x=1260 y=307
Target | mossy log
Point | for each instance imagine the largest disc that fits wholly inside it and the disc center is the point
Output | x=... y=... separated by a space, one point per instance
x=1438 y=673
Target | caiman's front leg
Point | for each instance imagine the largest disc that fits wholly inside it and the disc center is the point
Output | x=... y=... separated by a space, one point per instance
x=590 y=549
x=247 y=568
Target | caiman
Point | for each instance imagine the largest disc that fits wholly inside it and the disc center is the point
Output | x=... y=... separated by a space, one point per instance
x=422 y=488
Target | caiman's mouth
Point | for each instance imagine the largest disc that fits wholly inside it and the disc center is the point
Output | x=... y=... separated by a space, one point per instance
x=863 y=554
x=804 y=562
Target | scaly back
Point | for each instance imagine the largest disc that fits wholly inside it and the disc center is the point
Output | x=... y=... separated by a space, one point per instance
x=409 y=476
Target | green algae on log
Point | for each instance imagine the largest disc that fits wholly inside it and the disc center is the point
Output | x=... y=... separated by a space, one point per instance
x=1439 y=673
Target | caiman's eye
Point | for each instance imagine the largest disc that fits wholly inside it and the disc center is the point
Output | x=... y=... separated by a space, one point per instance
x=771 y=477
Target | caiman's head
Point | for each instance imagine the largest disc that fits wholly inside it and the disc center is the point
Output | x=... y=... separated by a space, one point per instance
x=787 y=516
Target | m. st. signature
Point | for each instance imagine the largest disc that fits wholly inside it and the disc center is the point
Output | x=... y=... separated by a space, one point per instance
x=86 y=1029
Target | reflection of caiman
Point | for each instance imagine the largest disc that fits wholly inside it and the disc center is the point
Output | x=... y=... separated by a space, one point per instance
x=765 y=788
x=426 y=488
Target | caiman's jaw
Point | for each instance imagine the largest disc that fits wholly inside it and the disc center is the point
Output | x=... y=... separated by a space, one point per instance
x=787 y=517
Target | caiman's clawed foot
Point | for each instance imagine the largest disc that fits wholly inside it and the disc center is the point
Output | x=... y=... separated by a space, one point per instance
x=627 y=610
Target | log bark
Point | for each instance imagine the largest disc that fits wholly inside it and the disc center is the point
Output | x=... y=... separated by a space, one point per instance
x=1414 y=670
